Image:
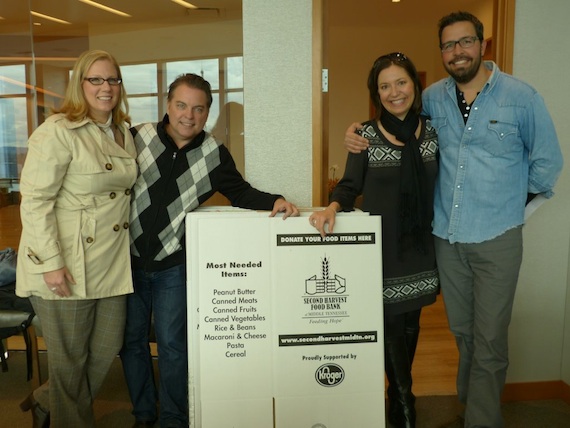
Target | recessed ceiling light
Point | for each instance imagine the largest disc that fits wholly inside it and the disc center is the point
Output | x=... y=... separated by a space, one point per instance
x=185 y=4
x=105 y=8
x=50 y=18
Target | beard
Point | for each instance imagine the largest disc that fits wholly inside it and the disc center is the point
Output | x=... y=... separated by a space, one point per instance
x=464 y=75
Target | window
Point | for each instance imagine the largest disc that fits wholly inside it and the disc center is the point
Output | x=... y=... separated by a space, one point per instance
x=154 y=44
x=209 y=69
x=13 y=122
x=141 y=84
x=147 y=91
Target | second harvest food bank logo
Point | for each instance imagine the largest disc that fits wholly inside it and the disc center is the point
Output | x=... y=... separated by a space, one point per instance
x=325 y=292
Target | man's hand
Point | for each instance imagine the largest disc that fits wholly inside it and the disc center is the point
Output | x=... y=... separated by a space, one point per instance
x=353 y=142
x=287 y=208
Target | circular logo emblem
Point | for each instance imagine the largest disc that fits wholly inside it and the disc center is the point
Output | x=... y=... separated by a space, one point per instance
x=329 y=375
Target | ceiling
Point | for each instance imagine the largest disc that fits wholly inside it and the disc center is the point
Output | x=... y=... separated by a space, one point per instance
x=83 y=17
x=85 y=20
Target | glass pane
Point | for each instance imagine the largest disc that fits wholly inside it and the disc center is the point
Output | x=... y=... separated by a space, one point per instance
x=12 y=79
x=143 y=109
x=37 y=54
x=229 y=129
x=207 y=68
x=140 y=78
x=214 y=112
x=13 y=135
x=234 y=72
x=236 y=97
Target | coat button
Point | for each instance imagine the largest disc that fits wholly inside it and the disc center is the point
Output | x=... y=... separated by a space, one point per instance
x=112 y=195
x=108 y=166
x=89 y=240
x=128 y=192
x=116 y=227
x=126 y=225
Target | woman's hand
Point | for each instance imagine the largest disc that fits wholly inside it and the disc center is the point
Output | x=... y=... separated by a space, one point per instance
x=282 y=206
x=325 y=217
x=353 y=142
x=57 y=281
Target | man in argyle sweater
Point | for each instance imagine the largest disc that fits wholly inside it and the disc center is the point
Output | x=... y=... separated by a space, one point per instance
x=181 y=166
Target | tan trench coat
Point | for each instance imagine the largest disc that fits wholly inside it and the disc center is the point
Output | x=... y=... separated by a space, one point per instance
x=75 y=188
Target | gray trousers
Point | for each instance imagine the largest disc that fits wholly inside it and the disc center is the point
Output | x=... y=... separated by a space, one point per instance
x=478 y=282
x=82 y=337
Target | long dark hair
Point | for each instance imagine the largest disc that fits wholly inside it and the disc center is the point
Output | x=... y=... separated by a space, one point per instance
x=385 y=61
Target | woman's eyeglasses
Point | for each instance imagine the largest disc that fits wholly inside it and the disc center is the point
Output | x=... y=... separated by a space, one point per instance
x=98 y=81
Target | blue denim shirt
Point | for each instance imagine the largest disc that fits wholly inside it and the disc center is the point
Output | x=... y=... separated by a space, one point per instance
x=508 y=148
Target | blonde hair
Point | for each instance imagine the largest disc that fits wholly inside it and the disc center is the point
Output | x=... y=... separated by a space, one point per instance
x=75 y=106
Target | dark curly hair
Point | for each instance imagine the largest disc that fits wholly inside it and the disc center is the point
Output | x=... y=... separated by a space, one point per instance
x=461 y=16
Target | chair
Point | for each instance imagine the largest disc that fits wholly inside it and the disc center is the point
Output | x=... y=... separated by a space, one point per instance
x=26 y=324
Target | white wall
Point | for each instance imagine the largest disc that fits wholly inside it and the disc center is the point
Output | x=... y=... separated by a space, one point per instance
x=277 y=51
x=540 y=332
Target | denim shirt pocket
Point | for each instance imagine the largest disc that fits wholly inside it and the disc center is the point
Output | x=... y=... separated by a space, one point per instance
x=503 y=138
x=439 y=123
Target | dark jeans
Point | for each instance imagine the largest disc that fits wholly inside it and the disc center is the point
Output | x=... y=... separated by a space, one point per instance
x=161 y=294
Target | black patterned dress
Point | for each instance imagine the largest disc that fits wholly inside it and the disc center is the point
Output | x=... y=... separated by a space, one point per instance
x=410 y=279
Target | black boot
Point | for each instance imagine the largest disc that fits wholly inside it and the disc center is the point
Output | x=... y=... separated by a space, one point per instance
x=412 y=335
x=401 y=401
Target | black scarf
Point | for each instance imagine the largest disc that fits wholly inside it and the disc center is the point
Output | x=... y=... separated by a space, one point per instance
x=413 y=210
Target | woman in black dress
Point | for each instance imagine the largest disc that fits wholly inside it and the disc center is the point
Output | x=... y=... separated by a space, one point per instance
x=396 y=177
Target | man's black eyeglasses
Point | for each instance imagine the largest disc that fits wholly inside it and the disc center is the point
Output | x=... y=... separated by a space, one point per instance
x=464 y=42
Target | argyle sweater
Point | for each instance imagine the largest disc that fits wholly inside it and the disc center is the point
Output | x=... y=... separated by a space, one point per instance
x=173 y=182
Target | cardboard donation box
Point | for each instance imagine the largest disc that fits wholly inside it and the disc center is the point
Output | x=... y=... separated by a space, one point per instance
x=285 y=327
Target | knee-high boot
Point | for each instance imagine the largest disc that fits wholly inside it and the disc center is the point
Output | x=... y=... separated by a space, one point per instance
x=412 y=335
x=401 y=401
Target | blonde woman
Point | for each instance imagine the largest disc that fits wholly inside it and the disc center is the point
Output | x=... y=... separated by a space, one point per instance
x=73 y=260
